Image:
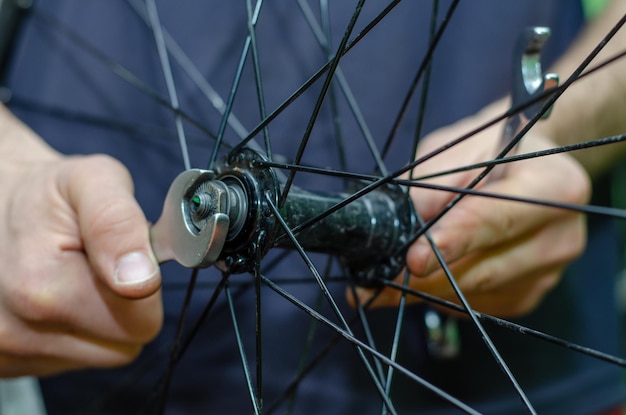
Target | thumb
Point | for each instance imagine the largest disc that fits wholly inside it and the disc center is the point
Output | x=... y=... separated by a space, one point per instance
x=113 y=228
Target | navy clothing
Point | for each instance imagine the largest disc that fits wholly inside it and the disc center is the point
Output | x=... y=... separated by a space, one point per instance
x=471 y=69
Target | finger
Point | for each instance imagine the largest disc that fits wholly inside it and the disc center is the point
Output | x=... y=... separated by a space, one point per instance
x=519 y=298
x=547 y=248
x=65 y=352
x=114 y=229
x=531 y=254
x=503 y=269
x=477 y=223
x=480 y=147
x=63 y=293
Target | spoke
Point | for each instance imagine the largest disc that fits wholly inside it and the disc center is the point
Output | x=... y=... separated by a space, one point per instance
x=116 y=68
x=164 y=383
x=192 y=71
x=318 y=104
x=257 y=74
x=297 y=93
x=324 y=34
x=420 y=72
x=369 y=336
x=331 y=302
x=242 y=352
x=169 y=79
x=234 y=88
x=396 y=335
x=477 y=324
x=425 y=85
x=361 y=345
x=462 y=191
x=292 y=388
x=587 y=209
x=525 y=156
x=143 y=131
x=509 y=325
x=321 y=355
x=259 y=325
x=324 y=42
x=310 y=337
x=203 y=316
x=616 y=213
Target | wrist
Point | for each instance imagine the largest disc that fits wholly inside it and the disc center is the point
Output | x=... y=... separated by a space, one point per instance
x=19 y=144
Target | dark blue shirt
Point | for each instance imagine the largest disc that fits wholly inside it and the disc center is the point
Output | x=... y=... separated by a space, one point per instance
x=51 y=74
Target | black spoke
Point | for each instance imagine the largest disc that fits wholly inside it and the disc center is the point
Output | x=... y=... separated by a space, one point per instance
x=334 y=63
x=308 y=342
x=257 y=74
x=258 y=330
x=421 y=113
x=242 y=351
x=367 y=331
x=514 y=327
x=192 y=71
x=324 y=289
x=361 y=345
x=203 y=316
x=396 y=335
x=116 y=68
x=483 y=333
x=164 y=60
x=321 y=71
x=162 y=389
x=324 y=42
x=234 y=88
x=418 y=76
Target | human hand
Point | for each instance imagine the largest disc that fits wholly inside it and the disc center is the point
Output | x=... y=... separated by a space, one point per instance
x=79 y=285
x=504 y=255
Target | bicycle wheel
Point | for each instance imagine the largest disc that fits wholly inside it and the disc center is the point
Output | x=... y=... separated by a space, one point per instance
x=300 y=345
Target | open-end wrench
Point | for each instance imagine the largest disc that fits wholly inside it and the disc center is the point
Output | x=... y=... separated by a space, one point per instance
x=194 y=223
x=529 y=83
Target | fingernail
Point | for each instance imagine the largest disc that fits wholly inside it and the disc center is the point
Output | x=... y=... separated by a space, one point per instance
x=134 y=268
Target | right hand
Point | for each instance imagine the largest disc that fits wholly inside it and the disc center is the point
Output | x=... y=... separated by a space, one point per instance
x=79 y=284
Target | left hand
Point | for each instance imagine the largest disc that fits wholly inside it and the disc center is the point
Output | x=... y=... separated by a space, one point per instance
x=504 y=255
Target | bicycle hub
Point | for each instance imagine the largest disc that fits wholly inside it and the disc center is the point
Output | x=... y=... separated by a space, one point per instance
x=236 y=205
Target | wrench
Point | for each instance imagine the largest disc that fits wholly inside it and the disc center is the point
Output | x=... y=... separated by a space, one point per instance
x=193 y=226
x=528 y=83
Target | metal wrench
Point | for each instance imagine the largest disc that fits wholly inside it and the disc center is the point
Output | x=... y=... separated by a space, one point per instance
x=194 y=224
x=529 y=82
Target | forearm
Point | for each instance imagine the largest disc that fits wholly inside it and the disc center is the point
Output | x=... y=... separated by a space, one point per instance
x=594 y=107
